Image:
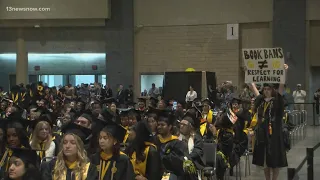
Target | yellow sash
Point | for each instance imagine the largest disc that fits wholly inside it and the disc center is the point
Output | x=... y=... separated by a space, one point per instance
x=140 y=168
x=203 y=128
x=77 y=175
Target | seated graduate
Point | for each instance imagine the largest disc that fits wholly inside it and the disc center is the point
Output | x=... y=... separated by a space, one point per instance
x=207 y=129
x=72 y=161
x=152 y=118
x=143 y=154
x=15 y=136
x=111 y=163
x=193 y=140
x=23 y=165
x=225 y=138
x=43 y=139
x=172 y=150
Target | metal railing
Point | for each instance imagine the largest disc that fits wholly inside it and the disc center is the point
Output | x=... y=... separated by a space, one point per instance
x=313 y=111
x=299 y=120
x=293 y=172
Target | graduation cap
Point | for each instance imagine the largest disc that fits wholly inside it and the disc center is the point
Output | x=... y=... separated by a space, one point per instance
x=16 y=117
x=73 y=128
x=153 y=100
x=207 y=102
x=44 y=117
x=142 y=100
x=196 y=116
x=28 y=156
x=235 y=97
x=166 y=116
x=110 y=101
x=117 y=131
x=197 y=102
x=124 y=113
x=87 y=114
x=136 y=113
x=152 y=111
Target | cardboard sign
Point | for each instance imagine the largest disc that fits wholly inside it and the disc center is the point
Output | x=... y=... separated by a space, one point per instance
x=264 y=65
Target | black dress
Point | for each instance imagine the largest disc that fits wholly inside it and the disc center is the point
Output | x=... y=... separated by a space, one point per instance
x=90 y=172
x=269 y=148
x=119 y=167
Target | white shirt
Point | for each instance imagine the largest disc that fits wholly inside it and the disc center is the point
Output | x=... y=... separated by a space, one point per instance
x=299 y=96
x=191 y=96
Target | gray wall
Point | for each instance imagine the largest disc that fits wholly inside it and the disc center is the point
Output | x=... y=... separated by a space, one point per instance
x=289 y=32
x=116 y=39
x=55 y=9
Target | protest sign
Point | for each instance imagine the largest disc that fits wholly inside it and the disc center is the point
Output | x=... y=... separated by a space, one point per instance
x=264 y=65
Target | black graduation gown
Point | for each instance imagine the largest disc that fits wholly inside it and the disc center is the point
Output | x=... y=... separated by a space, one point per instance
x=123 y=166
x=150 y=168
x=270 y=146
x=172 y=152
x=47 y=169
x=5 y=165
x=197 y=153
x=240 y=137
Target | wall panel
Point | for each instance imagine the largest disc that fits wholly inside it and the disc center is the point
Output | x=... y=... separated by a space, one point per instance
x=191 y=12
x=175 y=48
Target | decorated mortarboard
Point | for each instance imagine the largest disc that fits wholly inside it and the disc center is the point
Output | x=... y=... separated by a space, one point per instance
x=73 y=128
x=117 y=131
x=166 y=116
x=28 y=156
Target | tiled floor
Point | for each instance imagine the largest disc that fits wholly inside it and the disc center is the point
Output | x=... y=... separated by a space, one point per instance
x=294 y=156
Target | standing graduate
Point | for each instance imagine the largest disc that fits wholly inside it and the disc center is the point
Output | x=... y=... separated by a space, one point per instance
x=172 y=151
x=72 y=162
x=111 y=163
x=144 y=155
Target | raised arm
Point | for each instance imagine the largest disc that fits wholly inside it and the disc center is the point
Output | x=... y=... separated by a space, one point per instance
x=254 y=89
x=281 y=86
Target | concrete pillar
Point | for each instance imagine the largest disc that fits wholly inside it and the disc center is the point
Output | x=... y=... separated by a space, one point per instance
x=22 y=61
x=289 y=32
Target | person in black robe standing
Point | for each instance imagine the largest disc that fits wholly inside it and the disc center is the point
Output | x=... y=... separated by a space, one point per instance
x=269 y=149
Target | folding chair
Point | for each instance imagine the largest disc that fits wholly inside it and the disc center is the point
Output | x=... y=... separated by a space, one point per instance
x=210 y=151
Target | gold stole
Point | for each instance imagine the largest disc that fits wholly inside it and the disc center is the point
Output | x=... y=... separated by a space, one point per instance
x=71 y=166
x=15 y=97
x=5 y=159
x=105 y=164
x=203 y=128
x=42 y=153
x=23 y=96
x=140 y=168
x=127 y=135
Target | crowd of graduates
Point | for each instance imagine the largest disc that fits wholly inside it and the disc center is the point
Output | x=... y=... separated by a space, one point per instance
x=45 y=135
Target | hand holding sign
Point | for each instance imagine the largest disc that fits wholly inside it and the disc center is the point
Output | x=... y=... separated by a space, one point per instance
x=285 y=66
x=264 y=65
